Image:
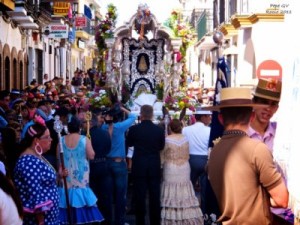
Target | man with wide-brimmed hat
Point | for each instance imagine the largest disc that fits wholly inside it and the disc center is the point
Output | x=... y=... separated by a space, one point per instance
x=241 y=170
x=267 y=92
x=198 y=137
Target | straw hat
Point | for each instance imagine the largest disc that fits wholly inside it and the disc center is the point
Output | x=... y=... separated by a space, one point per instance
x=268 y=89
x=235 y=97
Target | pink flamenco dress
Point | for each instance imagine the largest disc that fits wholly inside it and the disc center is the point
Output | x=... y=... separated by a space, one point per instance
x=81 y=197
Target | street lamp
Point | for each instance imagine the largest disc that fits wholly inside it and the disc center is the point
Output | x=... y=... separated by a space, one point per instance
x=92 y=26
x=74 y=8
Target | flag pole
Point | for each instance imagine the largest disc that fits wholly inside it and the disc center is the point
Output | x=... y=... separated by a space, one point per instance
x=58 y=127
x=217 y=128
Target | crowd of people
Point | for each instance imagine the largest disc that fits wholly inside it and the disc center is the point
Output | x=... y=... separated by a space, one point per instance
x=63 y=164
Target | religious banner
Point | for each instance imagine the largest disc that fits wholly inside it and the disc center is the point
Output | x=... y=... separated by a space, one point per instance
x=143 y=54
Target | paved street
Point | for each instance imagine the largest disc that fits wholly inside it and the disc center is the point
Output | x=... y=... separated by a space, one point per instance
x=130 y=218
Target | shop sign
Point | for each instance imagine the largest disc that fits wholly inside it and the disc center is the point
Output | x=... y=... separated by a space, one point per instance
x=57 y=31
x=81 y=21
x=61 y=8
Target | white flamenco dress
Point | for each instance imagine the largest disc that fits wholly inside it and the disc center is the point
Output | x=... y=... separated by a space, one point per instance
x=180 y=205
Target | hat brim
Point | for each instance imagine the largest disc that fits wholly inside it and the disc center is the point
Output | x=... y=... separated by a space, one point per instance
x=266 y=97
x=218 y=107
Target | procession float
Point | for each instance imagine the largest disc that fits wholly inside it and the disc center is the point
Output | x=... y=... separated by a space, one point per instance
x=143 y=62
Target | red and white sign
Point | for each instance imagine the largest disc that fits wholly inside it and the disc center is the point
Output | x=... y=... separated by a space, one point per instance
x=81 y=21
x=269 y=69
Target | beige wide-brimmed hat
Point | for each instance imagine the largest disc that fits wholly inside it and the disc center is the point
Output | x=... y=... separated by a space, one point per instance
x=268 y=89
x=235 y=97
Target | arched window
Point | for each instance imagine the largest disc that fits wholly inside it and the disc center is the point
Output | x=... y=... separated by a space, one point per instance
x=7 y=73
x=21 y=75
x=14 y=73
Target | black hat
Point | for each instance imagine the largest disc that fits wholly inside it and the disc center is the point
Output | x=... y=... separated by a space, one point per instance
x=61 y=111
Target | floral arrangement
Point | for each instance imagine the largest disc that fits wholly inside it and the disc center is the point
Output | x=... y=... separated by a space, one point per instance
x=105 y=27
x=160 y=90
x=103 y=31
x=185 y=31
x=100 y=99
x=181 y=30
x=179 y=101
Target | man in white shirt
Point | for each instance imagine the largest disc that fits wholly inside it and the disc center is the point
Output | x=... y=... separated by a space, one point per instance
x=198 y=137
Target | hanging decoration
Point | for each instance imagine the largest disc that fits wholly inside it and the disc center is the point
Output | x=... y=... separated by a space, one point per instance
x=103 y=31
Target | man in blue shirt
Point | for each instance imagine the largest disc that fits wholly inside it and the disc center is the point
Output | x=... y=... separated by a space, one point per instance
x=116 y=159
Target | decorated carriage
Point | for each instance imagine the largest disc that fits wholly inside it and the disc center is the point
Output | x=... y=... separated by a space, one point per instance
x=143 y=61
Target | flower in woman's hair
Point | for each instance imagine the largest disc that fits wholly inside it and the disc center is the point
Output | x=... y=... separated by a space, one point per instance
x=39 y=120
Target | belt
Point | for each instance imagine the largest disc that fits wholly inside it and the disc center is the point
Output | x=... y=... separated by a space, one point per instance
x=96 y=160
x=117 y=159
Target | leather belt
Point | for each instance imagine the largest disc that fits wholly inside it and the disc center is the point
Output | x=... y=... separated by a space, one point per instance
x=96 y=160
x=117 y=159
